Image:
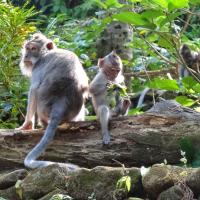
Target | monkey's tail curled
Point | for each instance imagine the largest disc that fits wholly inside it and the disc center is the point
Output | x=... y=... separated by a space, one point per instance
x=30 y=160
x=141 y=99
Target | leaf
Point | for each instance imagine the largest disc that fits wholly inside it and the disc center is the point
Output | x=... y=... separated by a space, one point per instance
x=164 y=84
x=128 y=183
x=131 y=18
x=185 y=101
x=161 y=3
x=188 y=82
x=124 y=183
x=18 y=188
x=113 y=3
x=150 y=14
x=196 y=88
x=134 y=111
x=177 y=4
x=169 y=18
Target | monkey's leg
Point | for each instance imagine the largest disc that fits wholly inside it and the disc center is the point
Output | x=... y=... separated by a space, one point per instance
x=141 y=99
x=81 y=115
x=104 y=119
x=55 y=118
x=31 y=109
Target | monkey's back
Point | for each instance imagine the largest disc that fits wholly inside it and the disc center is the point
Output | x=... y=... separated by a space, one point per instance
x=60 y=81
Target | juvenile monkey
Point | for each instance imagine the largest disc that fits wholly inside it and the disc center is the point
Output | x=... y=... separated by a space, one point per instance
x=110 y=71
x=58 y=86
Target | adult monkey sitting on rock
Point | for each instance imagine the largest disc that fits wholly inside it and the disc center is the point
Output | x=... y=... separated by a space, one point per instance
x=58 y=87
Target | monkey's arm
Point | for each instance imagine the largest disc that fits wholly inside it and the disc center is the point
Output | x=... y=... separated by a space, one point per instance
x=97 y=89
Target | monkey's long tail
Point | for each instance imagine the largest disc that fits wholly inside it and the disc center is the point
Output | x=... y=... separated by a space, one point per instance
x=30 y=160
x=141 y=99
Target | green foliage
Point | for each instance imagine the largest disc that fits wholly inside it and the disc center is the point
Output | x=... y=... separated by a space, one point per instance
x=187 y=146
x=134 y=111
x=163 y=84
x=124 y=183
x=78 y=36
x=185 y=101
x=13 y=30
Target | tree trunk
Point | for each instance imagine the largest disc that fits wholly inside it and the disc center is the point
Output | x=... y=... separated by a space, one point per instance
x=137 y=140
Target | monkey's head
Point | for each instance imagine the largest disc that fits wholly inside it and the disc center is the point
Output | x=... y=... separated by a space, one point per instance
x=111 y=65
x=191 y=59
x=33 y=50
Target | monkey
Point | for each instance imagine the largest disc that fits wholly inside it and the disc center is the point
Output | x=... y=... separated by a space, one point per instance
x=26 y=70
x=58 y=87
x=110 y=71
x=192 y=60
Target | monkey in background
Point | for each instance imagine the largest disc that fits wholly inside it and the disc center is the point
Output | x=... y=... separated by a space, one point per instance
x=58 y=87
x=192 y=61
x=110 y=72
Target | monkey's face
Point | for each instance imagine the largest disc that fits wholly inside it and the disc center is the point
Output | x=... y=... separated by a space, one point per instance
x=32 y=53
x=111 y=65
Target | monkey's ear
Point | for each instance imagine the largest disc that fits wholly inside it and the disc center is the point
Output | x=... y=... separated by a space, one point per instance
x=114 y=52
x=50 y=45
x=100 y=62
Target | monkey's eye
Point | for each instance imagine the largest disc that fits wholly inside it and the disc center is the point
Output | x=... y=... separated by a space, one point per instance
x=33 y=48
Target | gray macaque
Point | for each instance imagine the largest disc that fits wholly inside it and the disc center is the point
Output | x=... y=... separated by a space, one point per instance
x=192 y=60
x=58 y=87
x=110 y=72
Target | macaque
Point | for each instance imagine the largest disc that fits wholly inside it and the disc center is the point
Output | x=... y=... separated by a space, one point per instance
x=58 y=87
x=110 y=72
x=192 y=60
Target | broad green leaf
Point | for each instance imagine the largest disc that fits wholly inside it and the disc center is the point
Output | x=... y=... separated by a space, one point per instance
x=188 y=82
x=185 y=101
x=151 y=14
x=113 y=3
x=164 y=84
x=177 y=4
x=166 y=43
x=161 y=3
x=101 y=4
x=196 y=88
x=131 y=18
x=169 y=18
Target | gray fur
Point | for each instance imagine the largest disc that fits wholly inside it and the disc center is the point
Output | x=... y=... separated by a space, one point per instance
x=58 y=83
x=98 y=90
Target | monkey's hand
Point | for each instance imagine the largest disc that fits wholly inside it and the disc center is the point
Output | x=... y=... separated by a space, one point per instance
x=27 y=125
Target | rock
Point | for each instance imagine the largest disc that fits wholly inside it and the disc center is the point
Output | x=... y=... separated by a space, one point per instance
x=161 y=177
x=99 y=182
x=173 y=193
x=10 y=179
x=9 y=194
x=51 y=194
x=193 y=181
x=43 y=181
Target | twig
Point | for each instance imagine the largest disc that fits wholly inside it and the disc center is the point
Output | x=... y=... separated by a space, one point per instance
x=162 y=72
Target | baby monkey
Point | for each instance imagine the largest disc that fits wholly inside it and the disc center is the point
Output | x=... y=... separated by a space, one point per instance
x=110 y=72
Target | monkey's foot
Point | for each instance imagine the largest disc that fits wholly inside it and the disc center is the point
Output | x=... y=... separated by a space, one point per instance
x=25 y=126
x=106 y=139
